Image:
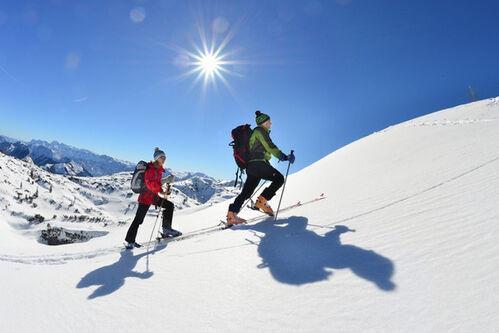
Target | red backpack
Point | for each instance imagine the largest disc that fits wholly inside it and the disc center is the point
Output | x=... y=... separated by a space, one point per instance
x=240 y=145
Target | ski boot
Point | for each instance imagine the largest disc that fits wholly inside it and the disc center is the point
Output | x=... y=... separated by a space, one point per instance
x=261 y=203
x=131 y=245
x=169 y=233
x=233 y=219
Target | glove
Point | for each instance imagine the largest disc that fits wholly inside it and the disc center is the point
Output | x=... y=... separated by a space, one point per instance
x=283 y=157
x=167 y=180
x=291 y=158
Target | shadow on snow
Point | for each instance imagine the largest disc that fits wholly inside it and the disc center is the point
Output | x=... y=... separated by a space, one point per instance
x=295 y=255
x=112 y=277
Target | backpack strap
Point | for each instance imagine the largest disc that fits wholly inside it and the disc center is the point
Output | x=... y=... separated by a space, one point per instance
x=239 y=173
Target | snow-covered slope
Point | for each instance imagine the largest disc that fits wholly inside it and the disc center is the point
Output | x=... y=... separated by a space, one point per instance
x=406 y=241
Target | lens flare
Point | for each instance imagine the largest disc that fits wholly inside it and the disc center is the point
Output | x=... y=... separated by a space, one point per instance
x=138 y=14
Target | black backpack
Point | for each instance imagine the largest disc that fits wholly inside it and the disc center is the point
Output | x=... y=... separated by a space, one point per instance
x=138 y=179
x=240 y=144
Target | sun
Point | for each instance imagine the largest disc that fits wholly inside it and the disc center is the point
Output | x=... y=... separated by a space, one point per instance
x=210 y=61
x=209 y=64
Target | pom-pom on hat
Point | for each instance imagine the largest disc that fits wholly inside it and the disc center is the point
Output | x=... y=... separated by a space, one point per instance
x=158 y=153
x=261 y=117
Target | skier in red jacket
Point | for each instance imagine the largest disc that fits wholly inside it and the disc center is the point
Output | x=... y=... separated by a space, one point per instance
x=147 y=198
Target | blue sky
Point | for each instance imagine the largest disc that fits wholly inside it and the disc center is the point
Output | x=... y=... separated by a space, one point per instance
x=110 y=76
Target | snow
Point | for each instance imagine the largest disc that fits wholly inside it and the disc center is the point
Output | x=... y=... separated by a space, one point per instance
x=406 y=241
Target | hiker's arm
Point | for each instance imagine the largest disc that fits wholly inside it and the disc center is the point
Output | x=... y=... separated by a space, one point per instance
x=267 y=143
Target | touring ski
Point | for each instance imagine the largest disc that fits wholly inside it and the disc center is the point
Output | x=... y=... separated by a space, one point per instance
x=223 y=225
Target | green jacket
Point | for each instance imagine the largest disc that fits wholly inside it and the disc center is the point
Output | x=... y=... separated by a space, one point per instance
x=261 y=146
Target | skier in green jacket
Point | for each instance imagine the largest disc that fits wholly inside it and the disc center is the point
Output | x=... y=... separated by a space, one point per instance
x=261 y=150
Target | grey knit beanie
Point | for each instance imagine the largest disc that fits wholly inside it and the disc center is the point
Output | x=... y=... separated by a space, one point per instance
x=158 y=153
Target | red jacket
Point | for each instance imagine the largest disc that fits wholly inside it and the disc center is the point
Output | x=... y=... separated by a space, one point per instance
x=153 y=182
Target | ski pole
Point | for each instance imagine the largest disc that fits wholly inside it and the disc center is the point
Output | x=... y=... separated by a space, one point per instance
x=152 y=232
x=283 y=188
x=258 y=189
x=155 y=222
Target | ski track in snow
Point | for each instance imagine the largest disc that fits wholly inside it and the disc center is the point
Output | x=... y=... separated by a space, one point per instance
x=57 y=259
x=450 y=122
x=413 y=195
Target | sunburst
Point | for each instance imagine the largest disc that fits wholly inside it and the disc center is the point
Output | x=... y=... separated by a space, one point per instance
x=210 y=63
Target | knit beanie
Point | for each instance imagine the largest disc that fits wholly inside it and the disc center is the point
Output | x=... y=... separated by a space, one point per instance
x=261 y=117
x=158 y=153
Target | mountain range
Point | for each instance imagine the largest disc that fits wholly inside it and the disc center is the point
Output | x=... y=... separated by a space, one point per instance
x=63 y=159
x=194 y=188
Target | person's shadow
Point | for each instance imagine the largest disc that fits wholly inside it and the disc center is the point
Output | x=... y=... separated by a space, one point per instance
x=112 y=277
x=295 y=255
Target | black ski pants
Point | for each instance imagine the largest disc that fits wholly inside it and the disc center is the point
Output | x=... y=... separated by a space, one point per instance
x=168 y=208
x=257 y=171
